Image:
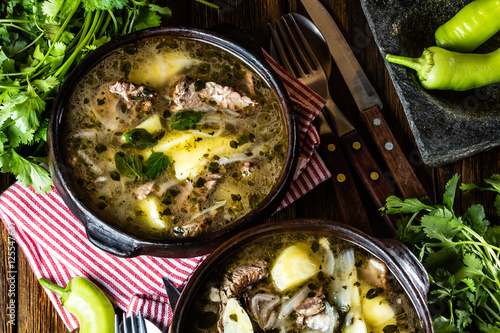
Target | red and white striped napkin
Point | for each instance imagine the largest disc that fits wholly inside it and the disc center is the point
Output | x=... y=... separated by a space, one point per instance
x=55 y=244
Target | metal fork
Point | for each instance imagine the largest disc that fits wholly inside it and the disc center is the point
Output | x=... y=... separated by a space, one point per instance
x=131 y=324
x=290 y=44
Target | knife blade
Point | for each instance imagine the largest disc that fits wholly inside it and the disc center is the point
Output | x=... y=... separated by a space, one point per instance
x=367 y=100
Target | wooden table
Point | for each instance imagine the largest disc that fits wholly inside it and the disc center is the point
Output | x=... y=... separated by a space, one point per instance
x=34 y=312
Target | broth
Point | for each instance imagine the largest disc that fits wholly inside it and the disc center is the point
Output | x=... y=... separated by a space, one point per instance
x=172 y=138
x=301 y=283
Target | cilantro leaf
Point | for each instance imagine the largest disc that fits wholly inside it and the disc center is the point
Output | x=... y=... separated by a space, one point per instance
x=441 y=228
x=30 y=173
x=26 y=107
x=444 y=325
x=155 y=164
x=492 y=235
x=184 y=120
x=106 y=4
x=476 y=218
x=450 y=189
x=165 y=11
x=46 y=84
x=146 y=19
x=128 y=165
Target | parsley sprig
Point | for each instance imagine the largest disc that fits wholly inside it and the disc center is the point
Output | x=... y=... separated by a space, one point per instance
x=461 y=253
x=40 y=42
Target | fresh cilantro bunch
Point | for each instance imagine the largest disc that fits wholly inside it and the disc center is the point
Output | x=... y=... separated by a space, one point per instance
x=40 y=42
x=461 y=255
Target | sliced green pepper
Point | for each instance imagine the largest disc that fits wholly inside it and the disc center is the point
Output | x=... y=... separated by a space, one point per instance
x=87 y=302
x=470 y=27
x=441 y=69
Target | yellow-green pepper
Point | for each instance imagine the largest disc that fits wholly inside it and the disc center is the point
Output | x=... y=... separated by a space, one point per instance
x=470 y=27
x=87 y=303
x=441 y=69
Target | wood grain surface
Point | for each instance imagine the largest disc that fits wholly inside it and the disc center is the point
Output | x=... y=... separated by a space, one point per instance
x=34 y=313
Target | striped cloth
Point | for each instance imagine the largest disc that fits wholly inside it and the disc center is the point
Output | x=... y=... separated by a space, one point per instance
x=55 y=244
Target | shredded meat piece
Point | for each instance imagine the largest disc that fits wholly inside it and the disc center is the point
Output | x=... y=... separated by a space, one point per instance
x=211 y=181
x=237 y=281
x=311 y=306
x=186 y=96
x=142 y=191
x=133 y=96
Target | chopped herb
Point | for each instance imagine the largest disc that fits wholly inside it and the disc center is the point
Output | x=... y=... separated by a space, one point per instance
x=101 y=101
x=233 y=144
x=251 y=137
x=253 y=200
x=233 y=317
x=184 y=120
x=114 y=175
x=155 y=164
x=214 y=167
x=236 y=197
x=128 y=165
x=199 y=85
x=390 y=329
x=126 y=67
x=100 y=148
x=315 y=246
x=140 y=139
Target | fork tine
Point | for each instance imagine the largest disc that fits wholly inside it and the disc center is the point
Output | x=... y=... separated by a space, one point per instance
x=117 y=325
x=124 y=323
x=280 y=49
x=133 y=320
x=305 y=43
x=288 y=45
x=298 y=46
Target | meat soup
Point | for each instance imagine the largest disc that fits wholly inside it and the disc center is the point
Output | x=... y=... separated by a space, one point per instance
x=301 y=283
x=173 y=138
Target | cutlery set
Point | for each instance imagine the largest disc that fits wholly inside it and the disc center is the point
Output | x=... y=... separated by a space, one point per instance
x=300 y=60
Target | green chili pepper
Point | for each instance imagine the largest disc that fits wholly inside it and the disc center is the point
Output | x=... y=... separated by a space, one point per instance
x=470 y=27
x=441 y=69
x=87 y=302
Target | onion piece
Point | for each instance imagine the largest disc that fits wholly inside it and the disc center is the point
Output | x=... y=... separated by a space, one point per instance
x=218 y=204
x=293 y=302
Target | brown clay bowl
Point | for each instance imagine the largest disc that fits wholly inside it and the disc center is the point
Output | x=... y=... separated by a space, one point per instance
x=403 y=265
x=115 y=240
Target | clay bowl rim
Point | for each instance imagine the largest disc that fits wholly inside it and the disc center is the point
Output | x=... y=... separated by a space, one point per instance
x=403 y=265
x=102 y=233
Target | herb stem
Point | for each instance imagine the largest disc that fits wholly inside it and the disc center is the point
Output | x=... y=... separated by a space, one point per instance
x=65 y=67
x=495 y=300
x=20 y=28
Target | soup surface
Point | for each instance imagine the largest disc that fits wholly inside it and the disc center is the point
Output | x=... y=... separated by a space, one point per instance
x=173 y=138
x=300 y=283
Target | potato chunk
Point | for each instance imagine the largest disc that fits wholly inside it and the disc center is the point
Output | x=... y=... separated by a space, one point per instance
x=295 y=265
x=150 y=212
x=152 y=124
x=377 y=310
x=235 y=319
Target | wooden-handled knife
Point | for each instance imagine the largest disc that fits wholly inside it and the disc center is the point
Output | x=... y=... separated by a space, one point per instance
x=367 y=100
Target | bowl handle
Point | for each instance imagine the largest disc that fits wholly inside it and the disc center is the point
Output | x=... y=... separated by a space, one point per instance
x=110 y=241
x=409 y=264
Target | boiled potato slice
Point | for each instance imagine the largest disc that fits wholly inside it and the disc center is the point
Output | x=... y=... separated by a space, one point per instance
x=161 y=70
x=151 y=213
x=358 y=326
x=295 y=265
x=152 y=124
x=377 y=310
x=235 y=319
